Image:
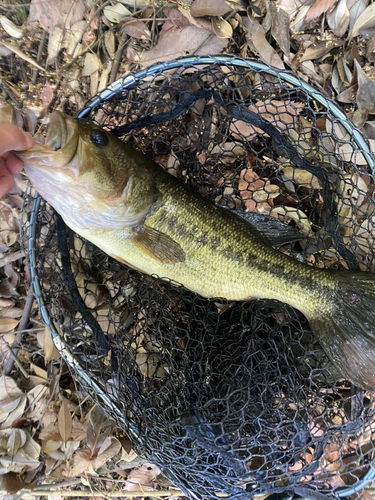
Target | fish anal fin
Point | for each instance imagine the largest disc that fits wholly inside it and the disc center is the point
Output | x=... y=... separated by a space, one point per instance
x=158 y=245
x=123 y=261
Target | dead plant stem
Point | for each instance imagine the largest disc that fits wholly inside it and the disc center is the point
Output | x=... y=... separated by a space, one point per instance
x=22 y=326
x=39 y=55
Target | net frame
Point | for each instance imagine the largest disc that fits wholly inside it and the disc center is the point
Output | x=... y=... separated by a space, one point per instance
x=110 y=92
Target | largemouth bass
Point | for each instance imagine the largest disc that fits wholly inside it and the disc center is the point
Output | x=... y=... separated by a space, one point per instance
x=127 y=205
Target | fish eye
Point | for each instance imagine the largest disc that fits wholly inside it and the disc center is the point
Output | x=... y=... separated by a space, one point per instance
x=99 y=138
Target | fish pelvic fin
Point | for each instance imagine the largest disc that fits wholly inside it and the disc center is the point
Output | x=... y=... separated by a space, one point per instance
x=158 y=245
x=347 y=334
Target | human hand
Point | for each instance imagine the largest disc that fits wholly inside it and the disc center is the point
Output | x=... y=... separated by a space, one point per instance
x=11 y=139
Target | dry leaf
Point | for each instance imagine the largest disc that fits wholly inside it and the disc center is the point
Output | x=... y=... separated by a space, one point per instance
x=51 y=432
x=319 y=7
x=116 y=13
x=39 y=372
x=257 y=38
x=91 y=64
x=19 y=462
x=22 y=55
x=319 y=49
x=54 y=45
x=296 y=215
x=47 y=94
x=354 y=13
x=15 y=414
x=209 y=8
x=49 y=347
x=8 y=324
x=366 y=90
x=338 y=19
x=364 y=21
x=104 y=76
x=109 y=40
x=281 y=113
x=301 y=177
x=94 y=82
x=136 y=4
x=280 y=27
x=257 y=193
x=365 y=236
x=84 y=461
x=62 y=13
x=180 y=42
x=11 y=28
x=221 y=28
x=64 y=422
x=137 y=29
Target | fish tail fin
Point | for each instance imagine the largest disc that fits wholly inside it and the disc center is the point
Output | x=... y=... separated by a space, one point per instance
x=347 y=332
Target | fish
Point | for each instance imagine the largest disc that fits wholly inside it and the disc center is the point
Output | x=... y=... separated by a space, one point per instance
x=116 y=197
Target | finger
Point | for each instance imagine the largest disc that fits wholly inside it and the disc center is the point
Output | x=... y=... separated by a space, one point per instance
x=13 y=164
x=6 y=183
x=14 y=139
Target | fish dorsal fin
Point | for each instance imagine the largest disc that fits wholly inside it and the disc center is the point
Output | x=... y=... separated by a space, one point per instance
x=273 y=232
x=158 y=245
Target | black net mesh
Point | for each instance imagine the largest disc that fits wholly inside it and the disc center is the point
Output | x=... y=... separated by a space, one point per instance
x=230 y=399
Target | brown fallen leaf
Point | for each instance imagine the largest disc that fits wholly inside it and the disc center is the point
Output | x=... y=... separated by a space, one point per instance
x=319 y=7
x=137 y=29
x=62 y=13
x=91 y=64
x=210 y=8
x=338 y=19
x=320 y=49
x=49 y=348
x=221 y=28
x=301 y=177
x=257 y=193
x=281 y=113
x=184 y=41
x=256 y=37
x=366 y=90
x=181 y=17
x=280 y=28
x=85 y=460
x=116 y=13
x=64 y=422
x=23 y=56
x=8 y=324
x=299 y=217
x=364 y=21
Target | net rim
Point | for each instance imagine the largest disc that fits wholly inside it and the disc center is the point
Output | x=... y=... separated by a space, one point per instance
x=130 y=80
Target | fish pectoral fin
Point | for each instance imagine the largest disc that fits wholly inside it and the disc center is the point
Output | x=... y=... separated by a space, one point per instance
x=158 y=245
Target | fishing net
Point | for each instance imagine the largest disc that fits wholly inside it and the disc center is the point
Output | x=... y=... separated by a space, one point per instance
x=231 y=400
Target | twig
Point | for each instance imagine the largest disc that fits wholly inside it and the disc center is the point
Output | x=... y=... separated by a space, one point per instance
x=11 y=258
x=9 y=93
x=97 y=494
x=120 y=50
x=39 y=55
x=23 y=56
x=13 y=361
x=22 y=326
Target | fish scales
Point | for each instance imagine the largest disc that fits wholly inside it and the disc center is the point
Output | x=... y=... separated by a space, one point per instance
x=120 y=200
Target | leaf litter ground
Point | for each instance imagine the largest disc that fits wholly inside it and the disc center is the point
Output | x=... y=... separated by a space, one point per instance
x=57 y=55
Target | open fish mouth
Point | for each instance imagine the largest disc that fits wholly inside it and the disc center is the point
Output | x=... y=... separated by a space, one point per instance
x=60 y=145
x=57 y=131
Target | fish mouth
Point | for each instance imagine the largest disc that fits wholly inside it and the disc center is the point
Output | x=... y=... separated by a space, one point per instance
x=60 y=145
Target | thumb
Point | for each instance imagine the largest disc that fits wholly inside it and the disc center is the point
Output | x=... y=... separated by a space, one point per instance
x=14 y=139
